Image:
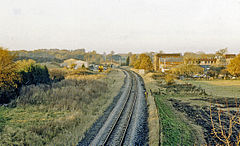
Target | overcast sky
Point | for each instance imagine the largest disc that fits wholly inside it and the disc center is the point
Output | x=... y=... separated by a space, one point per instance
x=121 y=25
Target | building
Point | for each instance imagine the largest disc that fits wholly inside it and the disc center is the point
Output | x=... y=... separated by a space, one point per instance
x=80 y=64
x=229 y=57
x=207 y=61
x=164 y=62
x=77 y=63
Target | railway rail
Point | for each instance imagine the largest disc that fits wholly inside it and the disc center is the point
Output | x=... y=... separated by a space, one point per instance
x=124 y=125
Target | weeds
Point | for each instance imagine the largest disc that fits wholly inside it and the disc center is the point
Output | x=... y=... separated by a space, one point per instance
x=57 y=114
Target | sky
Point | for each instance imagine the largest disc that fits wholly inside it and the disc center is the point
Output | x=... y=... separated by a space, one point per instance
x=121 y=25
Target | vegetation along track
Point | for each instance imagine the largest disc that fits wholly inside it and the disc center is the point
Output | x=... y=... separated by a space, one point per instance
x=126 y=123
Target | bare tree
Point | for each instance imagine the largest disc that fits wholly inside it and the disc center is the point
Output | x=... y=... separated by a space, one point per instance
x=223 y=132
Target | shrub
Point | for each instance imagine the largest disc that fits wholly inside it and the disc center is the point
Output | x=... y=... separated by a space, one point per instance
x=34 y=74
x=169 y=79
x=57 y=74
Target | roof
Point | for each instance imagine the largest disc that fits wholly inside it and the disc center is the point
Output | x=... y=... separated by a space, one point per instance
x=207 y=59
x=172 y=59
x=230 y=55
x=169 y=55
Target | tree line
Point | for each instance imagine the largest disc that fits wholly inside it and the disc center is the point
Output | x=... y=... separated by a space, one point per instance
x=58 y=56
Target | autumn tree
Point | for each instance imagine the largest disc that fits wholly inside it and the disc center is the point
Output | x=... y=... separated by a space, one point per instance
x=8 y=67
x=24 y=64
x=187 y=70
x=133 y=59
x=143 y=62
x=8 y=76
x=234 y=67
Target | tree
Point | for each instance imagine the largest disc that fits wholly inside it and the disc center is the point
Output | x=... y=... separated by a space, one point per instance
x=112 y=53
x=34 y=74
x=127 y=61
x=221 y=52
x=133 y=59
x=72 y=66
x=187 y=70
x=8 y=74
x=234 y=67
x=143 y=62
x=215 y=71
x=24 y=64
x=9 y=78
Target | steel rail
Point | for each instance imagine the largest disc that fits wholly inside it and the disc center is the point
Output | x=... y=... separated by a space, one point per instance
x=130 y=115
x=118 y=118
x=120 y=114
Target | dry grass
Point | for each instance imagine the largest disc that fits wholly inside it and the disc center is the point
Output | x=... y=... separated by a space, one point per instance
x=45 y=119
x=86 y=77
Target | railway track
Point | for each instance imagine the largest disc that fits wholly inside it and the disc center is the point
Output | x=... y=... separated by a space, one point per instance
x=126 y=124
x=117 y=134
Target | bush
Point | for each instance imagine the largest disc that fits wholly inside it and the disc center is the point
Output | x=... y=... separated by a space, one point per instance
x=34 y=74
x=169 y=79
x=57 y=74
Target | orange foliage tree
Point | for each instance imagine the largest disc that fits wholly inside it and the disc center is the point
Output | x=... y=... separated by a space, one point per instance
x=143 y=62
x=8 y=74
x=234 y=67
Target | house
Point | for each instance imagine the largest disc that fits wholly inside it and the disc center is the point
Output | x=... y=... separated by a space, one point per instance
x=164 y=62
x=210 y=60
x=80 y=64
x=229 y=57
x=77 y=63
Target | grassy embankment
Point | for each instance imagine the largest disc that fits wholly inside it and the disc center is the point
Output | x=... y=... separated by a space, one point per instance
x=58 y=114
x=153 y=119
x=174 y=130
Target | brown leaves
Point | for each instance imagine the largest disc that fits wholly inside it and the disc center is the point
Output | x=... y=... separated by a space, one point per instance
x=234 y=66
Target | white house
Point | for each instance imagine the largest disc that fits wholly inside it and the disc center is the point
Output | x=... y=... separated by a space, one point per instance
x=77 y=63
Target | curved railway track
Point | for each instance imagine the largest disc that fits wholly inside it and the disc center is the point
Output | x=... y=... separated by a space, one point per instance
x=118 y=127
x=122 y=123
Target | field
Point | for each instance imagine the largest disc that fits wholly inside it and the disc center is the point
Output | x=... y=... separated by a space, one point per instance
x=57 y=114
x=221 y=88
x=184 y=111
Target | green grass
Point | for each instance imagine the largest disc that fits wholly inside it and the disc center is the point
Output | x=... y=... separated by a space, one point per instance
x=3 y=119
x=217 y=89
x=174 y=130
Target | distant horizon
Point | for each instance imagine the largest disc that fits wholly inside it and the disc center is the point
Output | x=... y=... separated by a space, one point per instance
x=164 y=51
